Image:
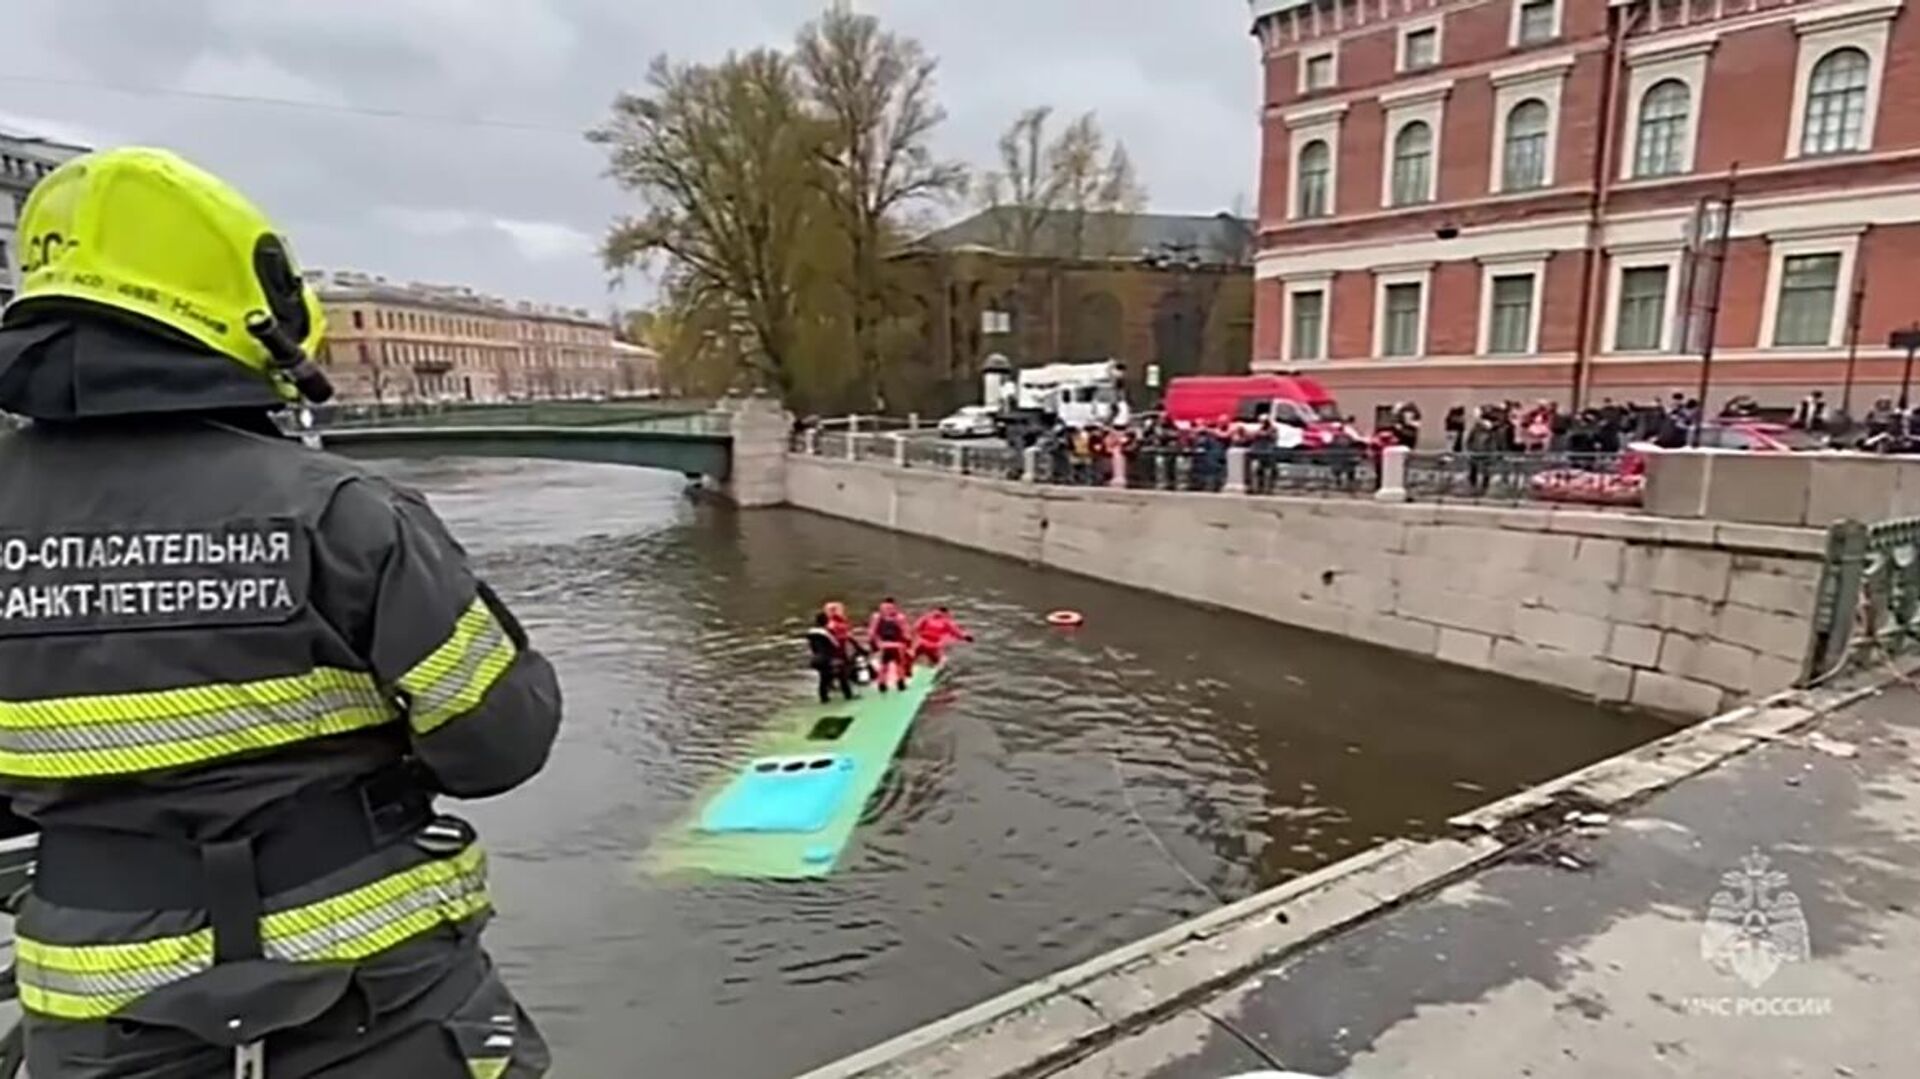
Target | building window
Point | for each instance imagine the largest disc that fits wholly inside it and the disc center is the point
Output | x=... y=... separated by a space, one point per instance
x=1420 y=48
x=1660 y=149
x=1400 y=335
x=1835 y=120
x=1643 y=309
x=359 y=321
x=1510 y=319
x=1413 y=164
x=1319 y=73
x=1539 y=21
x=1316 y=169
x=1309 y=324
x=1524 y=160
x=1809 y=285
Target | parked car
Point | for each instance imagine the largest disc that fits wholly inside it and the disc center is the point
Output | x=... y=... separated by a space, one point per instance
x=1757 y=436
x=972 y=421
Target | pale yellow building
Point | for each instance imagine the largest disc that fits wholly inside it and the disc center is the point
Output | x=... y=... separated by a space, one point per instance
x=391 y=343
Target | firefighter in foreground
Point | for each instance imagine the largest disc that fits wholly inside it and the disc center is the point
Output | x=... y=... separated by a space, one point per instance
x=234 y=674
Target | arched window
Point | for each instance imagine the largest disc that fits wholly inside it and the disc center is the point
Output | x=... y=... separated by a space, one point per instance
x=1316 y=179
x=1098 y=326
x=1836 y=116
x=1524 y=162
x=1413 y=164
x=1660 y=148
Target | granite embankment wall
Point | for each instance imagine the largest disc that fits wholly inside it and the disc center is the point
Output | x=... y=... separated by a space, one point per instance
x=1684 y=617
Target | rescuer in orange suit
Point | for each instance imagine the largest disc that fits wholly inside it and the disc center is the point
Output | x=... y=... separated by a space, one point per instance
x=934 y=632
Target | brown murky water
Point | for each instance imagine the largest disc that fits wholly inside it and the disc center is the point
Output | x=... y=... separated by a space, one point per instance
x=1062 y=795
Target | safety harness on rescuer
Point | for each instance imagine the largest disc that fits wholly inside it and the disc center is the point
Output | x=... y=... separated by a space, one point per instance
x=84 y=246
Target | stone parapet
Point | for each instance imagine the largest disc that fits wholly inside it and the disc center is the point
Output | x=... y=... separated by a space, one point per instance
x=1796 y=490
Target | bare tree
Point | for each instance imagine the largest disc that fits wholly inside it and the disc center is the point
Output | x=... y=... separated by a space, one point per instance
x=1023 y=191
x=1070 y=189
x=726 y=160
x=1095 y=183
x=377 y=382
x=873 y=91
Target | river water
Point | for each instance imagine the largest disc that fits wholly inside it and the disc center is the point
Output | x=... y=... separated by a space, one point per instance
x=1063 y=793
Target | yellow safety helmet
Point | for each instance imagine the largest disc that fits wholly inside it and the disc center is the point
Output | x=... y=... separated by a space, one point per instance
x=145 y=232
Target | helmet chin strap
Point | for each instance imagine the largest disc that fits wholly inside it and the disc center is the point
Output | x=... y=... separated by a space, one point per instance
x=290 y=359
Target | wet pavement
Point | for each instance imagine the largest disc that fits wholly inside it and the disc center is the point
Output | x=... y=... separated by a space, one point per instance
x=1760 y=919
x=1064 y=794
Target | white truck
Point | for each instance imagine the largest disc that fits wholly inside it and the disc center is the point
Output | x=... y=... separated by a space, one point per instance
x=1076 y=394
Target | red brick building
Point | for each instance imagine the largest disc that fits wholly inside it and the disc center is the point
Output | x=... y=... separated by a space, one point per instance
x=1469 y=200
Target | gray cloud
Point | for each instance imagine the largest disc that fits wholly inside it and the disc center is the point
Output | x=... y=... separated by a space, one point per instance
x=517 y=210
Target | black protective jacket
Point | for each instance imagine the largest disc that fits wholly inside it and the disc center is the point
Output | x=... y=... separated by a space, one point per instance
x=221 y=649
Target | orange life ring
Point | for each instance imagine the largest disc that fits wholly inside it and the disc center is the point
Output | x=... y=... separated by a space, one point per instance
x=1065 y=619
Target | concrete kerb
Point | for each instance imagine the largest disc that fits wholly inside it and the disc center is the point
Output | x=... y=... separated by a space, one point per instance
x=1131 y=987
x=1039 y=1027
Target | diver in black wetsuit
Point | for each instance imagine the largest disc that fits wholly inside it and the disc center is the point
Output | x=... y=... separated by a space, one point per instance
x=829 y=660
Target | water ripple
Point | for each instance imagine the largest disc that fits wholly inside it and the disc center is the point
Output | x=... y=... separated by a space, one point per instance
x=1062 y=794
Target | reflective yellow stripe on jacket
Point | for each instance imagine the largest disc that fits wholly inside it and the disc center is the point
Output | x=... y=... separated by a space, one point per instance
x=94 y=981
x=455 y=678
x=122 y=733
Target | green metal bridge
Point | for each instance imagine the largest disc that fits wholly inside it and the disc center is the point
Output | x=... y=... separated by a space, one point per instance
x=694 y=444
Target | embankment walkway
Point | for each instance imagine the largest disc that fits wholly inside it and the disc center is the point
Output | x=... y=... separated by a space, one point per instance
x=1738 y=900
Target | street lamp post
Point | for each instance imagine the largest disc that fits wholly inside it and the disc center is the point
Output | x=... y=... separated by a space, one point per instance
x=1857 y=301
x=1908 y=339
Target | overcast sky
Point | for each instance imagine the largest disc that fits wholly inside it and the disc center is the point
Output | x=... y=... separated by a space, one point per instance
x=519 y=212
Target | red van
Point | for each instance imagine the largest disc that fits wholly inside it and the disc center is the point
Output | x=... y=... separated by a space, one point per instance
x=1247 y=399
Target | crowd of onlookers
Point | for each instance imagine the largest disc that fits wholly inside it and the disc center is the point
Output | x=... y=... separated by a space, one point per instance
x=1545 y=427
x=1155 y=453
x=1612 y=426
x=1193 y=457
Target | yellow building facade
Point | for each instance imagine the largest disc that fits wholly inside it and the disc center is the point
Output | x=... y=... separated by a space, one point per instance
x=413 y=343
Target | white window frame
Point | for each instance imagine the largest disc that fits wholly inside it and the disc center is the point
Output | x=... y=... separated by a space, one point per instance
x=1510 y=88
x=1823 y=32
x=1534 y=263
x=1845 y=242
x=1323 y=284
x=1437 y=24
x=1304 y=127
x=1402 y=275
x=1622 y=259
x=1688 y=65
x=1427 y=104
x=1513 y=27
x=1307 y=56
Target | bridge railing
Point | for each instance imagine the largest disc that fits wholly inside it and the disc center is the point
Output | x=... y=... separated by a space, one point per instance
x=1867 y=608
x=863 y=424
x=903 y=449
x=1596 y=480
x=520 y=414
